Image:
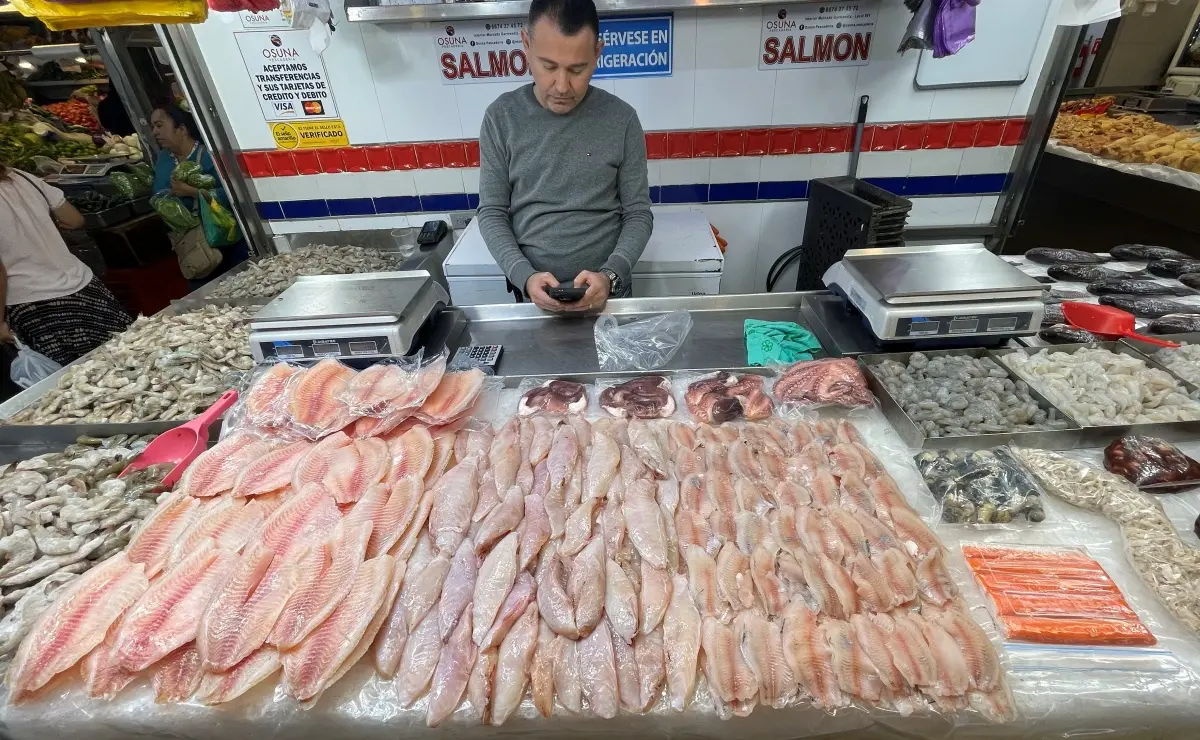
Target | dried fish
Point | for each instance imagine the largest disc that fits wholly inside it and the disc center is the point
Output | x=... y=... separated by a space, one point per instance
x=1052 y=256
x=161 y=368
x=271 y=276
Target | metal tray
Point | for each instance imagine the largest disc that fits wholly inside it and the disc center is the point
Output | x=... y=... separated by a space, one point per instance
x=20 y=442
x=1100 y=435
x=914 y=436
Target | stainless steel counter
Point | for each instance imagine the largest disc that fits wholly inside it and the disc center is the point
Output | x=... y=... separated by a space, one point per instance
x=539 y=343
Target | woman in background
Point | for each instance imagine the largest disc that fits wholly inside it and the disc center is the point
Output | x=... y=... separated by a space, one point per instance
x=48 y=297
x=175 y=131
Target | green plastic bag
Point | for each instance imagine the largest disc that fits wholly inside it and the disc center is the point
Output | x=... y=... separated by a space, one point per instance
x=142 y=176
x=125 y=184
x=220 y=227
x=174 y=212
x=189 y=173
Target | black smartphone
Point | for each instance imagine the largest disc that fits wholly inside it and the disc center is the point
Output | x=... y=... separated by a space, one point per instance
x=566 y=293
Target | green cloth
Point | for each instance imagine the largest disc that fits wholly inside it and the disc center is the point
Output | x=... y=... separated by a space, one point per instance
x=778 y=342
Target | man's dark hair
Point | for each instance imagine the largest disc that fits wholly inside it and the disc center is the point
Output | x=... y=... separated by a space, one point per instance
x=570 y=16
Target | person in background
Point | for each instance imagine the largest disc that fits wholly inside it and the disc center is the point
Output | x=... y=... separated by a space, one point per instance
x=176 y=132
x=111 y=113
x=563 y=191
x=49 y=298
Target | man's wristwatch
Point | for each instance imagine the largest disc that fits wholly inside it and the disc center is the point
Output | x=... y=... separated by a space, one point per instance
x=614 y=281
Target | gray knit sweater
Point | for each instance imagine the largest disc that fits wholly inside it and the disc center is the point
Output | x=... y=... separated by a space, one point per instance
x=563 y=193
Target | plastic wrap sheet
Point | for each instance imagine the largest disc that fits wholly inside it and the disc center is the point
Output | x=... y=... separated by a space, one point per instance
x=1051 y=703
x=1162 y=173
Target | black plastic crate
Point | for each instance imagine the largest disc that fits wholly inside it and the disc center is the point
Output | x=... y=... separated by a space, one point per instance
x=846 y=213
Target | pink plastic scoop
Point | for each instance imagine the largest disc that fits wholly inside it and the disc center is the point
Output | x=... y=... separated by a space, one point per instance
x=1107 y=321
x=182 y=444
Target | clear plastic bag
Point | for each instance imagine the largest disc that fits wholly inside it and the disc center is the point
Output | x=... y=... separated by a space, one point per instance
x=826 y=382
x=1151 y=464
x=642 y=344
x=1057 y=596
x=29 y=367
x=643 y=397
x=551 y=396
x=394 y=384
x=981 y=486
x=716 y=398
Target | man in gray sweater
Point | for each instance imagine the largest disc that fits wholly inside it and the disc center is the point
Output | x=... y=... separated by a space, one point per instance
x=563 y=192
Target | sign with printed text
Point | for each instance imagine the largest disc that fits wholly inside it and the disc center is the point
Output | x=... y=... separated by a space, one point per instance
x=491 y=51
x=262 y=20
x=834 y=34
x=309 y=134
x=289 y=78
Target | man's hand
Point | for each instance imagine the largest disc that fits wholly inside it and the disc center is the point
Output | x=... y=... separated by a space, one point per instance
x=535 y=290
x=6 y=334
x=597 y=291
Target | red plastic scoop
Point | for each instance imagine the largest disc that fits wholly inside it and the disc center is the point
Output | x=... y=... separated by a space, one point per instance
x=1107 y=321
x=182 y=444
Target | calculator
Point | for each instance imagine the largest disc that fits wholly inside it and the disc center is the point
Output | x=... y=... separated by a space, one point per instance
x=476 y=355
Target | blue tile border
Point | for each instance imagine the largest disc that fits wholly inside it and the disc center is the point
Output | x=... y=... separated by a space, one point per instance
x=351 y=207
x=783 y=190
x=697 y=193
x=397 y=204
x=446 y=202
x=305 y=208
x=718 y=192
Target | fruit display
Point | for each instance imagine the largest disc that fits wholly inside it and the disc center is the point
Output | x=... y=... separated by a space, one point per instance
x=20 y=143
x=75 y=113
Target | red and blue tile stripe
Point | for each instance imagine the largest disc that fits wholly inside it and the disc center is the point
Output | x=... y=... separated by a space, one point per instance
x=660 y=145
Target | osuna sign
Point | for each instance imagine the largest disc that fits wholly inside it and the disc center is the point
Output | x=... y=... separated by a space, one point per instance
x=836 y=34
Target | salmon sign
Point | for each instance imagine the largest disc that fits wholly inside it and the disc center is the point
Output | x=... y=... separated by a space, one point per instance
x=837 y=34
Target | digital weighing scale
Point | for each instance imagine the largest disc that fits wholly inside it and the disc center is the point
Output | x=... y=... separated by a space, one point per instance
x=364 y=315
x=938 y=294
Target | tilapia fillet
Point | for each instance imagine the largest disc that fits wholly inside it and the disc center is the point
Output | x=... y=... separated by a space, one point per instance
x=167 y=616
x=151 y=544
x=245 y=608
x=216 y=469
x=77 y=622
x=326 y=574
x=308 y=668
x=218 y=688
x=314 y=399
x=272 y=471
x=265 y=400
x=454 y=396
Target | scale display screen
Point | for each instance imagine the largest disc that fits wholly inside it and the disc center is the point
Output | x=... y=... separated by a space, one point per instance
x=962 y=325
x=327 y=347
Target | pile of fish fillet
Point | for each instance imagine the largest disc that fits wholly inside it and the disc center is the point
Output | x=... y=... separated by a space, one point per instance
x=592 y=567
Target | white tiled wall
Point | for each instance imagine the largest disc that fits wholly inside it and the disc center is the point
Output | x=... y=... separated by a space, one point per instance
x=388 y=89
